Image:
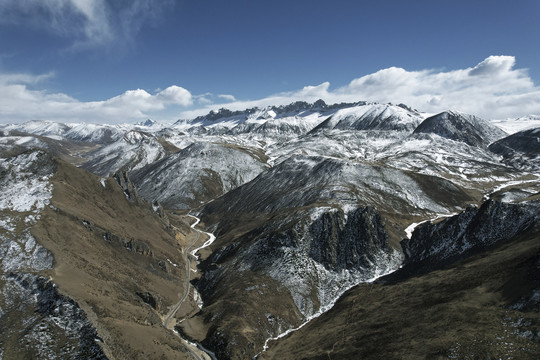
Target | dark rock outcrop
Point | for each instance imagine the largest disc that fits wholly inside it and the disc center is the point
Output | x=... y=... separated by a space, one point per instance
x=350 y=245
x=313 y=255
x=148 y=299
x=122 y=178
x=521 y=149
x=52 y=325
x=433 y=246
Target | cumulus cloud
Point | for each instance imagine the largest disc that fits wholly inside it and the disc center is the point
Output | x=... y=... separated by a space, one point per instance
x=88 y=22
x=18 y=102
x=175 y=95
x=494 y=65
x=493 y=89
x=227 y=97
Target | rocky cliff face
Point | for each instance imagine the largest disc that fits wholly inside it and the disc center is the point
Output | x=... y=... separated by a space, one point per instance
x=348 y=242
x=521 y=150
x=38 y=321
x=314 y=258
x=484 y=305
x=434 y=245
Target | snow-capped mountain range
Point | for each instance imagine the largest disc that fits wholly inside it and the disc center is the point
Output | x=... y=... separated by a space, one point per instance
x=305 y=201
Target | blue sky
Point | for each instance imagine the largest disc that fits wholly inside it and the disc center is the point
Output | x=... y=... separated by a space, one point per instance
x=122 y=61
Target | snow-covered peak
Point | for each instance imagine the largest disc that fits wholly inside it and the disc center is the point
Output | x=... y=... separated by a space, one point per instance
x=97 y=133
x=134 y=150
x=465 y=128
x=514 y=125
x=266 y=114
x=147 y=123
x=373 y=117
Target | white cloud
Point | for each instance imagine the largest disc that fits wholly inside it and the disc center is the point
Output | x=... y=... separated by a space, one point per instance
x=175 y=95
x=227 y=97
x=493 y=89
x=88 y=22
x=19 y=103
x=494 y=65
x=24 y=78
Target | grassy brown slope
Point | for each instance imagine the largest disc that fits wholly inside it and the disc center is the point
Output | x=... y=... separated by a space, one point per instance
x=107 y=250
x=460 y=312
x=239 y=317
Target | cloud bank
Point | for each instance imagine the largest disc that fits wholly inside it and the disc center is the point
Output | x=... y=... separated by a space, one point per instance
x=88 y=23
x=493 y=89
x=19 y=103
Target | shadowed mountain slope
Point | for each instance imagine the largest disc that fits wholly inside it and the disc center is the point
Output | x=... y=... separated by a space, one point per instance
x=485 y=306
x=461 y=127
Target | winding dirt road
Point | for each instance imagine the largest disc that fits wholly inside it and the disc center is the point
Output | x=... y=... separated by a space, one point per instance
x=186 y=254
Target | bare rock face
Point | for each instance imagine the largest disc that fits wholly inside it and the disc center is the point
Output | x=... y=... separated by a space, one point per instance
x=52 y=325
x=122 y=178
x=353 y=243
x=521 y=150
x=314 y=258
x=434 y=245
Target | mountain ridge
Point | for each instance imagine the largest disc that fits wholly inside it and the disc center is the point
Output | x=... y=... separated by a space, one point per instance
x=306 y=202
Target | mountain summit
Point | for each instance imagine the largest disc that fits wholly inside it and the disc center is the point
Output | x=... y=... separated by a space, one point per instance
x=461 y=127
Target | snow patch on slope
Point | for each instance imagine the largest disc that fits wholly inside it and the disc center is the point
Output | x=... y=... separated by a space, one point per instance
x=20 y=189
x=25 y=190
